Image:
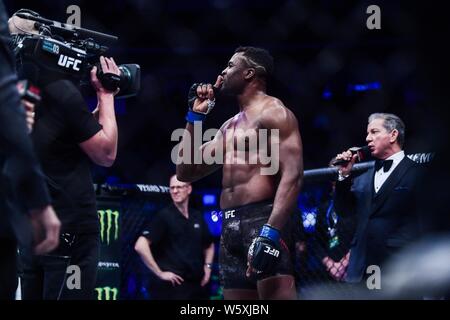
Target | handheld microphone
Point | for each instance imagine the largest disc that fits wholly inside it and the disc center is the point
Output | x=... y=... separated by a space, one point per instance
x=362 y=152
x=29 y=92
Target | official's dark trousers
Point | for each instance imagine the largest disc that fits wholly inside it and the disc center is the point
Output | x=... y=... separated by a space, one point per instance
x=187 y=290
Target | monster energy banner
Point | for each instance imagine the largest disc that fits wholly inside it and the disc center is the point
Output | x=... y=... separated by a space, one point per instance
x=109 y=226
x=108 y=276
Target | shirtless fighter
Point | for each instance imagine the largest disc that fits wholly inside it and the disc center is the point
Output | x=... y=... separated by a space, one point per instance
x=257 y=202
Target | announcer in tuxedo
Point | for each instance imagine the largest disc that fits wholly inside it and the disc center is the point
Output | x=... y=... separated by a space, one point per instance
x=382 y=198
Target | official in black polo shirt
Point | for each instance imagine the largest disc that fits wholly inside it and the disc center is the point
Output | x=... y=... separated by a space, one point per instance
x=177 y=246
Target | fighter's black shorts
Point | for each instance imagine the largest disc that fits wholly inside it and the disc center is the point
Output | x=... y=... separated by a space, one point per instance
x=240 y=226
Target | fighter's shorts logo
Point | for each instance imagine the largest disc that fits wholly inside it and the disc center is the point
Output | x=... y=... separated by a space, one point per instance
x=272 y=251
x=229 y=214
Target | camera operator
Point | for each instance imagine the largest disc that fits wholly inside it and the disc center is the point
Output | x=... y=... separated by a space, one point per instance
x=67 y=138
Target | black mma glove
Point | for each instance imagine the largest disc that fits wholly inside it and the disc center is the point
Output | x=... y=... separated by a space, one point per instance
x=194 y=115
x=264 y=252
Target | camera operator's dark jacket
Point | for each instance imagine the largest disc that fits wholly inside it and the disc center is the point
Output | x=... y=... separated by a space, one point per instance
x=22 y=185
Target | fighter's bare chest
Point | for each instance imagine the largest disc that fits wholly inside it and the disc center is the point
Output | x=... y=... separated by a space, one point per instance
x=245 y=134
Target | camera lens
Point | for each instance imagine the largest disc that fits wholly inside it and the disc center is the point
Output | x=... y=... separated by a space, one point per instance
x=125 y=77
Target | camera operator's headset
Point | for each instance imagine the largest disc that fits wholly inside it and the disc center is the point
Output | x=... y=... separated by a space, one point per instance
x=37 y=25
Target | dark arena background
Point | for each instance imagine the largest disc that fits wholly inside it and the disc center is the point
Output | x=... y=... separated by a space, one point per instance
x=330 y=70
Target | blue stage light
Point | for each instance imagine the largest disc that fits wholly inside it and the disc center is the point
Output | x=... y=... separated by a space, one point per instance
x=215 y=216
x=112 y=180
x=327 y=94
x=209 y=200
x=365 y=86
x=214 y=221
x=309 y=220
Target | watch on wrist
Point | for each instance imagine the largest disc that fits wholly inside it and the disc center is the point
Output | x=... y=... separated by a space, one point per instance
x=342 y=177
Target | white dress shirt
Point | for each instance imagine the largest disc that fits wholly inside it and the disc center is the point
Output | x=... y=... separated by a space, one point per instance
x=381 y=176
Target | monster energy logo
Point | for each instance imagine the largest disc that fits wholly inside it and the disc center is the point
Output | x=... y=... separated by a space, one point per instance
x=107 y=293
x=106 y=220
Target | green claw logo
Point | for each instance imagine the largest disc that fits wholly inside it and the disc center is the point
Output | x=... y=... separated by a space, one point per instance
x=106 y=220
x=107 y=293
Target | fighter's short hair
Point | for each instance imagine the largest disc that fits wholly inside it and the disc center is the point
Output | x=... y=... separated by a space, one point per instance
x=258 y=58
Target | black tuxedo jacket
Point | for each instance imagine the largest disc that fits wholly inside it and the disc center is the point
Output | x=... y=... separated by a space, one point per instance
x=386 y=221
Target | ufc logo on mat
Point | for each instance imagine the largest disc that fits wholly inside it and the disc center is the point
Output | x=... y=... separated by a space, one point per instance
x=69 y=62
x=273 y=252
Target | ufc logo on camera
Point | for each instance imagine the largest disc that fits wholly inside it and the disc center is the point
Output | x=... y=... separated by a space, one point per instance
x=272 y=251
x=69 y=62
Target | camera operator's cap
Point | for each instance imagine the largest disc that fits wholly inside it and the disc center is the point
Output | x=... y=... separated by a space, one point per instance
x=19 y=25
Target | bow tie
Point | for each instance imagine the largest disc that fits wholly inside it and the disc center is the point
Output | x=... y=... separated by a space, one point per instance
x=385 y=164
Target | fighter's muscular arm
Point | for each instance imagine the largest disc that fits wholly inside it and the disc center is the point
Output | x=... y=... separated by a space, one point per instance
x=187 y=169
x=290 y=160
x=263 y=252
